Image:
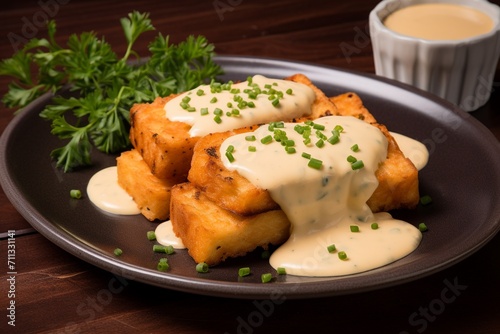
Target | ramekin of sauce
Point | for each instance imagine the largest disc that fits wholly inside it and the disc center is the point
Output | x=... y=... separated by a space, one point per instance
x=447 y=47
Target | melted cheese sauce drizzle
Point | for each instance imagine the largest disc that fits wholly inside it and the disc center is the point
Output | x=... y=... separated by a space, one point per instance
x=165 y=236
x=293 y=105
x=322 y=204
x=105 y=192
x=413 y=150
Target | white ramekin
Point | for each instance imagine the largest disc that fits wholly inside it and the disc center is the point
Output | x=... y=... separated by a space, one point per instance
x=459 y=71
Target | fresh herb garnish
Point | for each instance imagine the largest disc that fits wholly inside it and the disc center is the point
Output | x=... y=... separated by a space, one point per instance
x=105 y=85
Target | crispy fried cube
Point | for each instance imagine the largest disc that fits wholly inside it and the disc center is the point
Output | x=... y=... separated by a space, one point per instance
x=165 y=146
x=151 y=194
x=212 y=234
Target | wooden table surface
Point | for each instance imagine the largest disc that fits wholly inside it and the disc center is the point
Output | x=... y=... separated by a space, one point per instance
x=56 y=292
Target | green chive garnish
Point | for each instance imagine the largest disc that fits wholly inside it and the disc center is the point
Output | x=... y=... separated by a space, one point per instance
x=266 y=278
x=204 y=111
x=422 y=227
x=281 y=271
x=306 y=155
x=230 y=156
x=217 y=119
x=315 y=163
x=354 y=228
x=357 y=165
x=355 y=148
x=331 y=248
x=267 y=139
x=162 y=264
x=118 y=251
x=151 y=235
x=252 y=149
x=250 y=138
x=245 y=271
x=289 y=91
x=342 y=255
x=374 y=226
x=202 y=267
x=425 y=200
x=351 y=159
x=200 y=92
x=75 y=193
x=213 y=100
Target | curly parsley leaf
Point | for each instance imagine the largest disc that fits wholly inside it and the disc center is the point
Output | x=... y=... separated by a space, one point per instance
x=105 y=85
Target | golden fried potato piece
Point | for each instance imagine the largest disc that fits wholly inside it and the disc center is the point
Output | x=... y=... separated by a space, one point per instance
x=397 y=176
x=165 y=146
x=227 y=188
x=151 y=194
x=212 y=234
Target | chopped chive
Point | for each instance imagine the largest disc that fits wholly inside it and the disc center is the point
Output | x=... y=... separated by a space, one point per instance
x=374 y=226
x=320 y=143
x=267 y=139
x=351 y=159
x=75 y=193
x=355 y=148
x=266 y=278
x=162 y=265
x=169 y=249
x=289 y=142
x=318 y=127
x=422 y=227
x=235 y=112
x=213 y=100
x=342 y=255
x=230 y=148
x=306 y=155
x=338 y=128
x=186 y=99
x=159 y=249
x=204 y=111
x=245 y=271
x=250 y=138
x=425 y=200
x=315 y=163
x=289 y=91
x=290 y=150
x=276 y=102
x=250 y=104
x=230 y=156
x=357 y=165
x=333 y=139
x=217 y=119
x=118 y=251
x=200 y=92
x=202 y=267
x=252 y=149
x=151 y=235
x=354 y=228
x=331 y=248
x=218 y=111
x=281 y=271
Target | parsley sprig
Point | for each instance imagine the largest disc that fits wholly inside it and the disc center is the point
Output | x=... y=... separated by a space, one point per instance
x=103 y=86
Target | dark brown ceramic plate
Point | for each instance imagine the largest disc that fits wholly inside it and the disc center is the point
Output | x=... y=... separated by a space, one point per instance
x=462 y=177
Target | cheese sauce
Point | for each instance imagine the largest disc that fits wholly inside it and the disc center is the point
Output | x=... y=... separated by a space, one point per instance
x=105 y=192
x=323 y=202
x=412 y=149
x=230 y=107
x=165 y=236
x=439 y=21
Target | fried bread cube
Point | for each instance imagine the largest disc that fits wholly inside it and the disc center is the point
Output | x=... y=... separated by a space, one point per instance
x=165 y=146
x=151 y=194
x=397 y=176
x=212 y=234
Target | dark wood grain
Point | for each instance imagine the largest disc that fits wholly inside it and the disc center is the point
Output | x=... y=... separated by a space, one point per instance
x=58 y=293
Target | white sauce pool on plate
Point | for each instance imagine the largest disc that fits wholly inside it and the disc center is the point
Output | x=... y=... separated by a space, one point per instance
x=322 y=204
x=165 y=236
x=296 y=104
x=413 y=150
x=105 y=192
